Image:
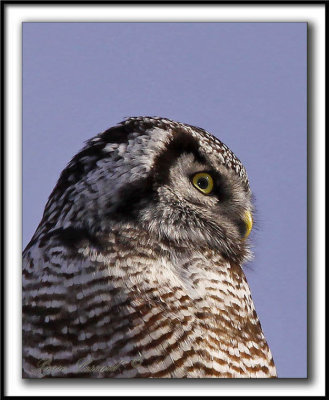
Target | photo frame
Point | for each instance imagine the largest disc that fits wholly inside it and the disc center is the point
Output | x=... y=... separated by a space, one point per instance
x=14 y=15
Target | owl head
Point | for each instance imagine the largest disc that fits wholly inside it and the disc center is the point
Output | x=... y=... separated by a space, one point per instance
x=176 y=182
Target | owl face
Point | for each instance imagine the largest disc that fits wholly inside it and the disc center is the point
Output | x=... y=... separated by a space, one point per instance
x=176 y=182
x=196 y=201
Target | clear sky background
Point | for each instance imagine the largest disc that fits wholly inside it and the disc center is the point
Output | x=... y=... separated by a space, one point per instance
x=243 y=82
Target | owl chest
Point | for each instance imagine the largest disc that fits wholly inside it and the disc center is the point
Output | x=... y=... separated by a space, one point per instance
x=193 y=286
x=186 y=302
x=160 y=313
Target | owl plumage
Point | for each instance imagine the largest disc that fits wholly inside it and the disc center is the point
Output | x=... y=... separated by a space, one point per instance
x=135 y=269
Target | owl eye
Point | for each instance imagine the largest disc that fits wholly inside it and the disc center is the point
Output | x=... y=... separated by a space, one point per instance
x=203 y=182
x=248 y=221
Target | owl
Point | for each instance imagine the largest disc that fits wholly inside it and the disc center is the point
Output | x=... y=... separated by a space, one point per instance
x=135 y=270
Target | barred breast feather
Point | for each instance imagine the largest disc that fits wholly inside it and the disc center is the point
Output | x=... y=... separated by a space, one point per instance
x=122 y=313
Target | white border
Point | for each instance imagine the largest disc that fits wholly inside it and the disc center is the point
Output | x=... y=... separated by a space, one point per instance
x=15 y=15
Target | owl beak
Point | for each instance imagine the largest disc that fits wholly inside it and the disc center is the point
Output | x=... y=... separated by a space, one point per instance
x=248 y=221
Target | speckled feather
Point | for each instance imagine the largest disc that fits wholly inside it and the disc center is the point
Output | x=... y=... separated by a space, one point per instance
x=132 y=272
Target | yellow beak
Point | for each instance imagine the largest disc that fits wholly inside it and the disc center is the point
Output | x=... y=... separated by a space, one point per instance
x=248 y=221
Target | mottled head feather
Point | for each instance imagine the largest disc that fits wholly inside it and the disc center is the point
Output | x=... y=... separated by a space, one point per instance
x=117 y=176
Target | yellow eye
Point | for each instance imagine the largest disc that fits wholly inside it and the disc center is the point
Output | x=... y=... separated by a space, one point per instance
x=203 y=182
x=248 y=221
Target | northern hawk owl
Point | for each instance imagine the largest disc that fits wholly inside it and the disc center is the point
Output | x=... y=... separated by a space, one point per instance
x=135 y=269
